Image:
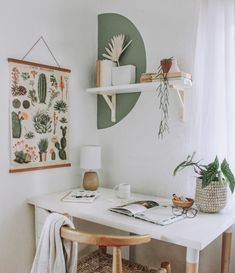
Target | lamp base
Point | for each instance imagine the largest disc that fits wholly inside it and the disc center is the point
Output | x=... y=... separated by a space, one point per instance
x=90 y=181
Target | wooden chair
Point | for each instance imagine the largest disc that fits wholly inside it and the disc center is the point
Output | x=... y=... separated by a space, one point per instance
x=113 y=241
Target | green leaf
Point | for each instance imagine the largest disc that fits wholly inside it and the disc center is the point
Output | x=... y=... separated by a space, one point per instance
x=210 y=173
x=187 y=163
x=228 y=174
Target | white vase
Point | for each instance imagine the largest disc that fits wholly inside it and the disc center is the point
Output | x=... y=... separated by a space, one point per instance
x=104 y=72
x=124 y=74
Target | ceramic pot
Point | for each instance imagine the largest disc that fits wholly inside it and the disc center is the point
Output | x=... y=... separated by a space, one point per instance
x=124 y=74
x=90 y=181
x=212 y=198
x=166 y=65
x=42 y=156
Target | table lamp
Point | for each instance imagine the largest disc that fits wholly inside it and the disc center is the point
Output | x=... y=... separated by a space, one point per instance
x=90 y=160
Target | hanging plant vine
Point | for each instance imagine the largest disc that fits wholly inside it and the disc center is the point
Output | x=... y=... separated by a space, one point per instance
x=163 y=94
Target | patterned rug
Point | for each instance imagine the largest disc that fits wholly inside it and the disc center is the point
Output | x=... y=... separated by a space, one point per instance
x=98 y=262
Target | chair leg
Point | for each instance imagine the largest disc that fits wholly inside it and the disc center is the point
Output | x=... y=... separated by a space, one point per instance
x=103 y=249
x=117 y=260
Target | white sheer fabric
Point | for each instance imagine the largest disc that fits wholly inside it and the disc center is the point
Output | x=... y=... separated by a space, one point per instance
x=213 y=95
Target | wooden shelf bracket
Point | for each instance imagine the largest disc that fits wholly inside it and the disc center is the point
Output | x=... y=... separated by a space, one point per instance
x=180 y=94
x=111 y=101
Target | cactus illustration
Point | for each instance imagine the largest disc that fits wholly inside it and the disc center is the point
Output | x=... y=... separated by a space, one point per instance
x=16 y=125
x=63 y=143
x=42 y=88
x=53 y=154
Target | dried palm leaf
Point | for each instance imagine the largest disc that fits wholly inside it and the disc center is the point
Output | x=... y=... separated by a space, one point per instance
x=116 y=48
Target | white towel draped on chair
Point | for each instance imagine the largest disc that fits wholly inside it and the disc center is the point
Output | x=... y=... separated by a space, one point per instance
x=53 y=254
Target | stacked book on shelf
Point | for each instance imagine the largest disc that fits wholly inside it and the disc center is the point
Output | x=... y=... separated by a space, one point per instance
x=151 y=77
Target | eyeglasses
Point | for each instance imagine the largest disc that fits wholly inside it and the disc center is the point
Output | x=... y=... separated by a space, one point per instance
x=189 y=213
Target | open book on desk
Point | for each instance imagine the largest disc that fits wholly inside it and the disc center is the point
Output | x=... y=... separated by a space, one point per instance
x=149 y=211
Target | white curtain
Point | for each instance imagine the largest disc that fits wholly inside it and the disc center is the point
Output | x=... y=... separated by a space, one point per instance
x=213 y=95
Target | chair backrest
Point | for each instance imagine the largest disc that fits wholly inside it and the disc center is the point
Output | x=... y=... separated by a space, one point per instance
x=105 y=240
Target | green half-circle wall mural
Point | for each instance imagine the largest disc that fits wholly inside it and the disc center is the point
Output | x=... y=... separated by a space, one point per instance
x=110 y=24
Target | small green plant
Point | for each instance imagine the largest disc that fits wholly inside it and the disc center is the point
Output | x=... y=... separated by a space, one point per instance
x=53 y=154
x=63 y=143
x=42 y=122
x=29 y=135
x=63 y=120
x=22 y=157
x=43 y=145
x=53 y=81
x=214 y=171
x=25 y=76
x=16 y=89
x=61 y=106
x=53 y=95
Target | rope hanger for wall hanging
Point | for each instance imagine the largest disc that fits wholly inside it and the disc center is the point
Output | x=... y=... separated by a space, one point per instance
x=45 y=43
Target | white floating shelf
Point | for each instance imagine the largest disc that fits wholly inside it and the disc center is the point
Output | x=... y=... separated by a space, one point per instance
x=179 y=84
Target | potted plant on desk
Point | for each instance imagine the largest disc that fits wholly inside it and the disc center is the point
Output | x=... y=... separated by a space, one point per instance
x=212 y=182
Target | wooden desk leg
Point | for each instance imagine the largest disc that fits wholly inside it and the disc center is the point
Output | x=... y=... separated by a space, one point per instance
x=226 y=250
x=192 y=260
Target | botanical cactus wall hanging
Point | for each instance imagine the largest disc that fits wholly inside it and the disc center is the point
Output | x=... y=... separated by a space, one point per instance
x=39 y=121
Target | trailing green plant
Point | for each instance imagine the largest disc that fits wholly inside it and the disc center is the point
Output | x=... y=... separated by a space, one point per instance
x=43 y=145
x=116 y=47
x=61 y=106
x=163 y=94
x=213 y=171
x=42 y=122
x=42 y=88
x=63 y=143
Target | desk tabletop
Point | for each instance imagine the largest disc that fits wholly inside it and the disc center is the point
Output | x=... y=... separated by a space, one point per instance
x=195 y=233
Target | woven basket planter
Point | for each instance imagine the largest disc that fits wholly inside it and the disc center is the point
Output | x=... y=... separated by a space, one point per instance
x=212 y=198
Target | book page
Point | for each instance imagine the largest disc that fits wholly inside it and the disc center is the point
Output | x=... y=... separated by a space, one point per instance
x=161 y=215
x=135 y=207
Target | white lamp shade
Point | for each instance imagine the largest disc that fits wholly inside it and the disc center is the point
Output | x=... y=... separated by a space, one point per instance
x=90 y=158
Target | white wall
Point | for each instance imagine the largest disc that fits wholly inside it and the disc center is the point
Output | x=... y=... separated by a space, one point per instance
x=132 y=152
x=70 y=28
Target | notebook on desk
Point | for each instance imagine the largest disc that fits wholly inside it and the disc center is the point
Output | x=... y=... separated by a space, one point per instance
x=81 y=196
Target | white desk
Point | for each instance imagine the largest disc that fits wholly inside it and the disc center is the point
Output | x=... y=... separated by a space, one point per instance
x=194 y=234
